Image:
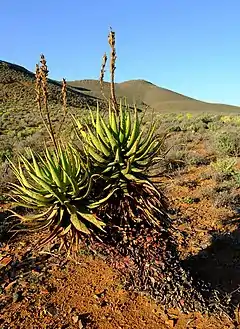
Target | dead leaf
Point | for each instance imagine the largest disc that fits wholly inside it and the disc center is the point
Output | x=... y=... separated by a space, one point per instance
x=5 y=261
x=10 y=285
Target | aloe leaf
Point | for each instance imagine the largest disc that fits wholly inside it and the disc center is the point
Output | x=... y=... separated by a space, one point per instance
x=78 y=224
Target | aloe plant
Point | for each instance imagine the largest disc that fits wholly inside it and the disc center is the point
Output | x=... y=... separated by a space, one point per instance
x=118 y=147
x=121 y=152
x=58 y=185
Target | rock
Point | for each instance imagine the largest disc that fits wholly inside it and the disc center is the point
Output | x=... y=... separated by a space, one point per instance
x=52 y=310
x=170 y=323
x=10 y=285
x=75 y=319
x=16 y=297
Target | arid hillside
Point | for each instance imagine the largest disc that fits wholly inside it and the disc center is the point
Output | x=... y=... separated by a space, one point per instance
x=160 y=99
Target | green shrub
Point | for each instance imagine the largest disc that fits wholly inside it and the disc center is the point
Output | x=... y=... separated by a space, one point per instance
x=7 y=153
x=227 y=143
x=196 y=159
x=224 y=168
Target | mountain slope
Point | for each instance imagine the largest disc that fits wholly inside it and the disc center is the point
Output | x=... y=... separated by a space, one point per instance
x=144 y=92
x=17 y=87
x=20 y=121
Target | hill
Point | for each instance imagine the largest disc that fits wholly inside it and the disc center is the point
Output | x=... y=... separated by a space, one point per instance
x=17 y=88
x=20 y=121
x=143 y=92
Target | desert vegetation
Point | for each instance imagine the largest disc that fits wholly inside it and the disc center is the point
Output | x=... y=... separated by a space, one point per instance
x=119 y=186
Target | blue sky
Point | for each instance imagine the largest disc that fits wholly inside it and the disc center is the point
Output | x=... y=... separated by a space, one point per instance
x=189 y=46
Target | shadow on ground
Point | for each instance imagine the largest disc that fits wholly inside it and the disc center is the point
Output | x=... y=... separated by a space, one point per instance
x=219 y=264
x=5 y=226
x=8 y=226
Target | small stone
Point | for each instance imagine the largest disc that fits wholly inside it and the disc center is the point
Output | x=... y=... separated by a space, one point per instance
x=52 y=310
x=70 y=309
x=75 y=319
x=170 y=323
x=10 y=285
x=16 y=297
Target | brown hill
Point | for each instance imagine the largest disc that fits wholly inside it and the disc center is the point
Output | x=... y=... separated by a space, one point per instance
x=17 y=88
x=20 y=121
x=143 y=92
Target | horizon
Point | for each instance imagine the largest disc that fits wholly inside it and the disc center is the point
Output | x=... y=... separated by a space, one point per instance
x=197 y=56
x=174 y=91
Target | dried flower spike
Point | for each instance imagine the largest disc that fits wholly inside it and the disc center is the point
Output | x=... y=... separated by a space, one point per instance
x=41 y=90
x=113 y=57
